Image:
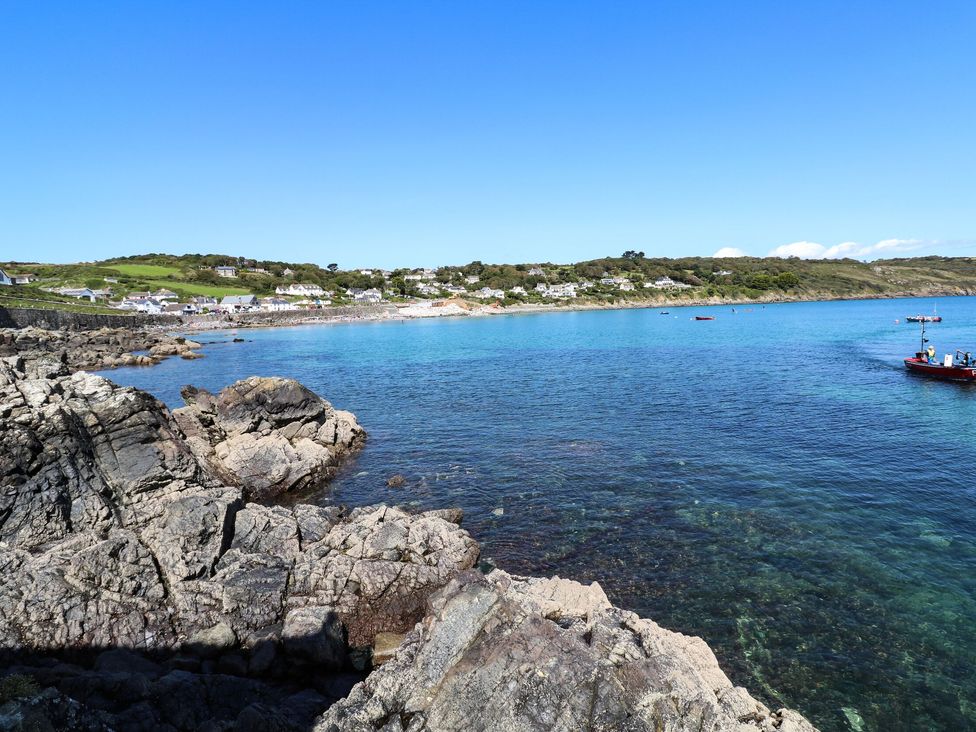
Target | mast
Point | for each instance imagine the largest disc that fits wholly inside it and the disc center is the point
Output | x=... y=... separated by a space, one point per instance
x=924 y=339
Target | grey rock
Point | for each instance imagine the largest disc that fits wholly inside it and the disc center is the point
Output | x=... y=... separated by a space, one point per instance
x=510 y=653
x=268 y=435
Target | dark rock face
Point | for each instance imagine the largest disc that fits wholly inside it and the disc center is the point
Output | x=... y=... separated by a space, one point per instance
x=509 y=653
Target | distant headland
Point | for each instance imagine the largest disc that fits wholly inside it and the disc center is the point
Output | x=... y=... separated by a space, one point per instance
x=205 y=288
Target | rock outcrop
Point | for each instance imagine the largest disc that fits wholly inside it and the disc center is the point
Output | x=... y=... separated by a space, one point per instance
x=118 y=530
x=513 y=653
x=94 y=349
x=267 y=434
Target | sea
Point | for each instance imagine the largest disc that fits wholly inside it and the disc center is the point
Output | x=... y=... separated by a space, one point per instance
x=772 y=480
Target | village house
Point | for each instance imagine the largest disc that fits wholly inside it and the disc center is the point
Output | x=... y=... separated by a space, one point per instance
x=567 y=289
x=300 y=290
x=203 y=302
x=536 y=272
x=518 y=290
x=371 y=295
x=429 y=290
x=288 y=272
x=83 y=293
x=455 y=289
x=190 y=308
x=276 y=304
x=666 y=283
x=626 y=286
x=413 y=277
x=486 y=293
x=238 y=303
x=165 y=295
x=172 y=308
x=146 y=305
x=5 y=279
x=23 y=279
x=471 y=279
x=367 y=272
x=226 y=271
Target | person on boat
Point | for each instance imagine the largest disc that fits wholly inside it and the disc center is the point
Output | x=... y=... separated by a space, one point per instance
x=931 y=354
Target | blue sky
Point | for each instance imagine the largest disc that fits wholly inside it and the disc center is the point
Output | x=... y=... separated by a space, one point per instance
x=426 y=133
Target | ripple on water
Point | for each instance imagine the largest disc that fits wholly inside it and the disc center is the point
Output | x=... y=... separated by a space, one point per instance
x=775 y=483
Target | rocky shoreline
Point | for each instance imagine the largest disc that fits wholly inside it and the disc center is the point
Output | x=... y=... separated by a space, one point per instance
x=143 y=586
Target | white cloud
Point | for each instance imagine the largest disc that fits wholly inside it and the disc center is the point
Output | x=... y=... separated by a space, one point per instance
x=852 y=249
x=725 y=252
x=801 y=249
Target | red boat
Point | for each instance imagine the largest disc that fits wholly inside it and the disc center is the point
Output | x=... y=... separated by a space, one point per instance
x=956 y=372
x=704 y=317
x=961 y=367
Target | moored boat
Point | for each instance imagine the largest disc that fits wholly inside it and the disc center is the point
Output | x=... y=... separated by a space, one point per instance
x=704 y=317
x=924 y=319
x=958 y=367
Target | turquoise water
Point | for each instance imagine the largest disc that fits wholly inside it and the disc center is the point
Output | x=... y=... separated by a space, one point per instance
x=773 y=481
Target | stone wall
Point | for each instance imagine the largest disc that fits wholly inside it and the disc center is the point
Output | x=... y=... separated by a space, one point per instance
x=63 y=320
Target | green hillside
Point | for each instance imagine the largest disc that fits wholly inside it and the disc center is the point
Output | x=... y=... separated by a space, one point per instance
x=735 y=278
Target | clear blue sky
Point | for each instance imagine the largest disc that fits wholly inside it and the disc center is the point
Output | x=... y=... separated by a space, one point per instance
x=425 y=133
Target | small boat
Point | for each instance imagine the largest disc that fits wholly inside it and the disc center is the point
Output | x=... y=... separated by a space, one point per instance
x=961 y=367
x=933 y=318
x=924 y=319
x=664 y=312
x=704 y=317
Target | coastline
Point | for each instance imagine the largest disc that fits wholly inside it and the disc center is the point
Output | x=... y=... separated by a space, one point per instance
x=465 y=309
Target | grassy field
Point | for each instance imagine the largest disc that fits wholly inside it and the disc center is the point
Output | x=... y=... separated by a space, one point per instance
x=143 y=270
x=194 y=288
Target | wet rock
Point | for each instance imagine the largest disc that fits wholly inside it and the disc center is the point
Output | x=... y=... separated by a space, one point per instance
x=395 y=481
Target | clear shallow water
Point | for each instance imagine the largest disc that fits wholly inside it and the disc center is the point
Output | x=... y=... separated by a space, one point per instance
x=772 y=480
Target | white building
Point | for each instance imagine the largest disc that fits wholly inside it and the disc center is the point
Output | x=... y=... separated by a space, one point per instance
x=471 y=279
x=368 y=296
x=486 y=293
x=566 y=289
x=300 y=290
x=666 y=283
x=276 y=305
x=226 y=271
x=288 y=272
x=429 y=290
x=536 y=272
x=238 y=303
x=518 y=290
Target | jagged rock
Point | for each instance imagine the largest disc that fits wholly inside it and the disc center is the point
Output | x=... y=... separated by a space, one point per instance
x=268 y=435
x=508 y=653
x=50 y=353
